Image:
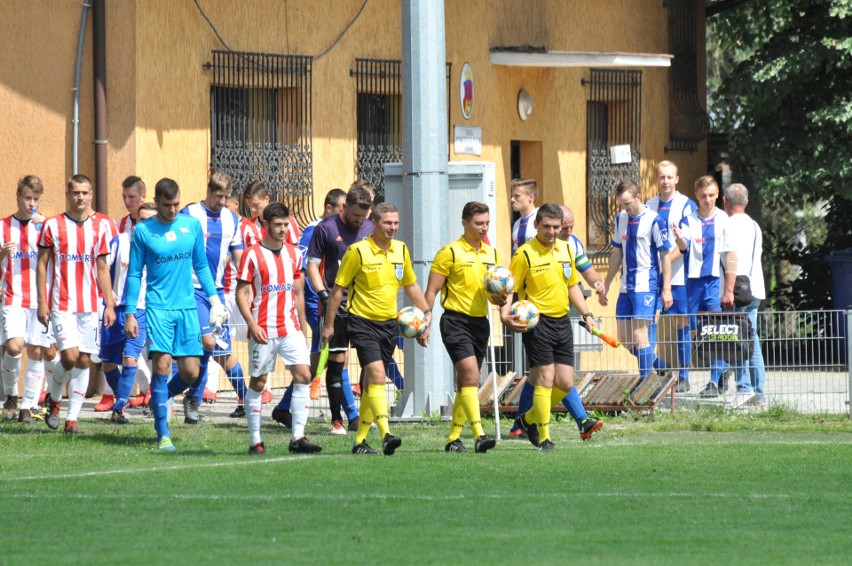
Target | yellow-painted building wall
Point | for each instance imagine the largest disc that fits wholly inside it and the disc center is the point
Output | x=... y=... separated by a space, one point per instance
x=158 y=89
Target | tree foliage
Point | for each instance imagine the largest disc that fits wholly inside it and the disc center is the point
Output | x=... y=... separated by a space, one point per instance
x=780 y=86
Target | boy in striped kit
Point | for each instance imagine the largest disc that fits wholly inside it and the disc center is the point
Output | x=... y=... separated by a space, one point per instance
x=18 y=255
x=700 y=238
x=116 y=348
x=271 y=269
x=76 y=246
x=641 y=243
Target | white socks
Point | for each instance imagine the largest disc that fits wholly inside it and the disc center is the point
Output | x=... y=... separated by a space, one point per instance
x=77 y=392
x=299 y=407
x=11 y=370
x=32 y=383
x=253 y=414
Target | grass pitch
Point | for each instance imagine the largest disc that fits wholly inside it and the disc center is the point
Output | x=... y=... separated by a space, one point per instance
x=684 y=488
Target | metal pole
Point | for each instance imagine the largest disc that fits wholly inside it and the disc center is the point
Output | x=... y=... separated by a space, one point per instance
x=429 y=376
x=493 y=375
x=75 y=123
x=99 y=64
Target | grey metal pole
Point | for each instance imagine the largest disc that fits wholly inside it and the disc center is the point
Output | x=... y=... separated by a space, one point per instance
x=428 y=373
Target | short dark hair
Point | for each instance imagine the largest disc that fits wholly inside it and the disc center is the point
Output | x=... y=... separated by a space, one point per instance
x=473 y=208
x=382 y=208
x=219 y=181
x=77 y=179
x=333 y=196
x=625 y=186
x=364 y=184
x=275 y=210
x=360 y=197
x=548 y=210
x=30 y=182
x=256 y=188
x=166 y=189
x=133 y=180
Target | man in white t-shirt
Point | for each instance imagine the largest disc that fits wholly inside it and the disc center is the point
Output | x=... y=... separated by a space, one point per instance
x=523 y=194
x=744 y=247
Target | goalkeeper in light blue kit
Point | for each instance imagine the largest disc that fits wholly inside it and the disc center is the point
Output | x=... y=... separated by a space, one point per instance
x=170 y=247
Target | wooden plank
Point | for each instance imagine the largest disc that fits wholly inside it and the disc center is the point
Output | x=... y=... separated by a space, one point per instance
x=503 y=383
x=516 y=392
x=486 y=392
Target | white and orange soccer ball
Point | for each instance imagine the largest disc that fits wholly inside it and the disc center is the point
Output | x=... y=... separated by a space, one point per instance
x=498 y=282
x=527 y=313
x=412 y=322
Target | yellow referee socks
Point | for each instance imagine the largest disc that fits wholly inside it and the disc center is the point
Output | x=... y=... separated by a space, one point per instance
x=556 y=396
x=459 y=418
x=539 y=414
x=470 y=402
x=366 y=420
x=379 y=405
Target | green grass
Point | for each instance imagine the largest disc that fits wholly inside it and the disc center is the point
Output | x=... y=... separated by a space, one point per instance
x=702 y=487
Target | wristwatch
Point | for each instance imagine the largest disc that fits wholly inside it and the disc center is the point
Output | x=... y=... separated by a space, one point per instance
x=587 y=315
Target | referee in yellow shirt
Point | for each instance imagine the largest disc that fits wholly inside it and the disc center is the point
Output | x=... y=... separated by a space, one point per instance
x=545 y=275
x=373 y=270
x=458 y=271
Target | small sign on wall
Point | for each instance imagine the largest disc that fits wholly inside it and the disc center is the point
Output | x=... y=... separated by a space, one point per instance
x=467 y=140
x=619 y=154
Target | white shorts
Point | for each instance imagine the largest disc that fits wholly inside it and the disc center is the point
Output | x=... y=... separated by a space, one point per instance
x=236 y=324
x=76 y=330
x=293 y=350
x=19 y=322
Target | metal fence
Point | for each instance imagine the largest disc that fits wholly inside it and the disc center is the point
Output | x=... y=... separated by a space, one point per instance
x=806 y=356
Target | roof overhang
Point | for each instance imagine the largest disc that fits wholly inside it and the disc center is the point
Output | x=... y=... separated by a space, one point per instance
x=539 y=58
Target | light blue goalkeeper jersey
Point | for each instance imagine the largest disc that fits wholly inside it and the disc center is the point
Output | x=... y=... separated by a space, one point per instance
x=169 y=253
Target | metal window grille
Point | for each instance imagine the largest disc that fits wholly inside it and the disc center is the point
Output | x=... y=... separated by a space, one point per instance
x=613 y=117
x=689 y=122
x=379 y=110
x=260 y=124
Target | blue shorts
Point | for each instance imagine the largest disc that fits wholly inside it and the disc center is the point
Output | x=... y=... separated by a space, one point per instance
x=312 y=317
x=636 y=305
x=680 y=302
x=704 y=294
x=115 y=345
x=174 y=332
x=203 y=308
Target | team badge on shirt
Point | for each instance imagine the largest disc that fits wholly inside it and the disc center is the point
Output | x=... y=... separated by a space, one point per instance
x=566 y=269
x=171 y=237
x=398 y=271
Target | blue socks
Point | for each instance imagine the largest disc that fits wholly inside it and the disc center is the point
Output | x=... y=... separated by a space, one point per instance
x=525 y=402
x=575 y=407
x=684 y=351
x=124 y=387
x=159 y=398
x=197 y=390
x=112 y=377
x=646 y=360
x=235 y=376
x=717 y=368
x=348 y=401
x=176 y=385
x=284 y=403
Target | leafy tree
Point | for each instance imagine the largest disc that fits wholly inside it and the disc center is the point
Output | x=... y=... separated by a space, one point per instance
x=780 y=86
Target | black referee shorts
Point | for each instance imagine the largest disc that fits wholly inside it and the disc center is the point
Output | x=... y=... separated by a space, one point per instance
x=374 y=341
x=464 y=336
x=551 y=342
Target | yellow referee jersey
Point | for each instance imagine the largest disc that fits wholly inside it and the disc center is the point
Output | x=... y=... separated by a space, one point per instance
x=374 y=277
x=464 y=268
x=543 y=276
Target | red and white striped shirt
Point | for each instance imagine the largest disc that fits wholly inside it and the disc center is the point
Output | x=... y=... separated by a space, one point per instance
x=19 y=270
x=125 y=225
x=272 y=276
x=75 y=250
x=259 y=231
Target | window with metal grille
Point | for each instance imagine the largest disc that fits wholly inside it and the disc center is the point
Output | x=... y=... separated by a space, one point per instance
x=379 y=111
x=260 y=124
x=613 y=117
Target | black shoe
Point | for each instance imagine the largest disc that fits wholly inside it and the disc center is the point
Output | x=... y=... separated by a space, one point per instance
x=682 y=386
x=354 y=424
x=530 y=429
x=390 y=444
x=363 y=448
x=588 y=427
x=282 y=416
x=454 y=446
x=239 y=412
x=710 y=391
x=10 y=408
x=190 y=410
x=483 y=444
x=304 y=446
x=547 y=446
x=118 y=418
x=723 y=382
x=664 y=373
x=258 y=449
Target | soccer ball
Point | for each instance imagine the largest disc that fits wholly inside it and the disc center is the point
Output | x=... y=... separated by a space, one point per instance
x=527 y=314
x=498 y=282
x=412 y=322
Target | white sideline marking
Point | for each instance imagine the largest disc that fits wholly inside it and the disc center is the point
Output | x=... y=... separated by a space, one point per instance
x=374 y=496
